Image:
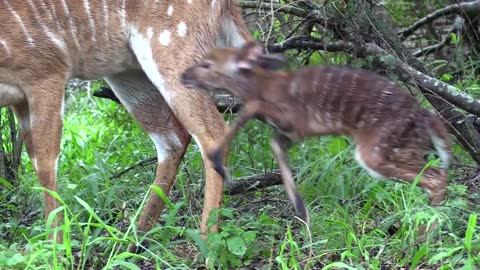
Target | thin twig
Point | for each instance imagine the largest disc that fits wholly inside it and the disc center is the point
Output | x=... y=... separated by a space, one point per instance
x=464 y=7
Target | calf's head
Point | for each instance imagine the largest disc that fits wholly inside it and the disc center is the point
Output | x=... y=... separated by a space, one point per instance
x=231 y=68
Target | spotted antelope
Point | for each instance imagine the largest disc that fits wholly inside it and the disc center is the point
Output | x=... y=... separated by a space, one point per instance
x=140 y=48
x=393 y=133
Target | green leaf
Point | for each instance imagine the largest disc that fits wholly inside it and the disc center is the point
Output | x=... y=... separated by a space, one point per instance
x=453 y=36
x=236 y=246
x=11 y=260
x=164 y=197
x=4 y=182
x=227 y=212
x=338 y=265
x=125 y=264
x=442 y=255
x=198 y=240
x=249 y=236
x=418 y=256
x=472 y=221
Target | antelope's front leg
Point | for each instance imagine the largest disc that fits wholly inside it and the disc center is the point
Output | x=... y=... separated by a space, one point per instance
x=215 y=155
x=279 y=147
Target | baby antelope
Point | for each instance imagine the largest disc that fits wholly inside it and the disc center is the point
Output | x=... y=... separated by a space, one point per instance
x=392 y=132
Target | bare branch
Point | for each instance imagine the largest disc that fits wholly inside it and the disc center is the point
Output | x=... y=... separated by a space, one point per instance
x=141 y=163
x=432 y=48
x=253 y=183
x=464 y=7
x=277 y=7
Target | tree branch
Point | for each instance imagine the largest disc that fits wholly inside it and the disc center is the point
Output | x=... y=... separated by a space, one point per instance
x=253 y=183
x=233 y=187
x=464 y=7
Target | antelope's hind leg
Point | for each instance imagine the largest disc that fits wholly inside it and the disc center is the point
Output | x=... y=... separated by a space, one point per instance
x=151 y=111
x=405 y=164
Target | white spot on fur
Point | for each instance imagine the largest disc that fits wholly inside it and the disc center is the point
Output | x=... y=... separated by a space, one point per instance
x=143 y=51
x=164 y=38
x=189 y=1
x=170 y=10
x=150 y=32
x=362 y=163
x=213 y=3
x=182 y=29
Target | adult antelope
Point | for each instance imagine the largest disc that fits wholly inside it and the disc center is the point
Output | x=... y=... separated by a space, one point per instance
x=140 y=47
x=392 y=131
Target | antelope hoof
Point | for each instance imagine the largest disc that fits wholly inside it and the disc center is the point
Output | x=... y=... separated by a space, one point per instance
x=136 y=249
x=301 y=209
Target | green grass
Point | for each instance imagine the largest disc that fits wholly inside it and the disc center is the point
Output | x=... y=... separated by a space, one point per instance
x=351 y=213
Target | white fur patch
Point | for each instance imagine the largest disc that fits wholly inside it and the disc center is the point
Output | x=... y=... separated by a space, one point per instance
x=165 y=38
x=360 y=161
x=123 y=14
x=163 y=142
x=197 y=141
x=4 y=45
x=230 y=35
x=182 y=29
x=170 y=10
x=141 y=47
x=10 y=94
x=442 y=152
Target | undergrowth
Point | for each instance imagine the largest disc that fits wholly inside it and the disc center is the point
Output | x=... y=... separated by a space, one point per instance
x=357 y=222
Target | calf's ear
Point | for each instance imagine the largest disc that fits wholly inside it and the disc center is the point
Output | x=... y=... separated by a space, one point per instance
x=249 y=55
x=272 y=61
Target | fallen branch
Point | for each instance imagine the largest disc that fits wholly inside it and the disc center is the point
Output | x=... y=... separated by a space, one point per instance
x=464 y=7
x=232 y=187
x=253 y=183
